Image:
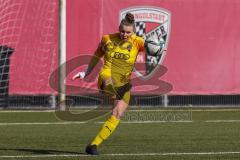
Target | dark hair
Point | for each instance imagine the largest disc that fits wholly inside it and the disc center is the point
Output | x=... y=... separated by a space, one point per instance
x=128 y=21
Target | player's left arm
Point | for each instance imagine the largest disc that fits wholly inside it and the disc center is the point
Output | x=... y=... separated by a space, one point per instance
x=141 y=44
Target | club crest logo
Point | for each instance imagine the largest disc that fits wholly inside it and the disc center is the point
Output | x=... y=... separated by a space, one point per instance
x=153 y=24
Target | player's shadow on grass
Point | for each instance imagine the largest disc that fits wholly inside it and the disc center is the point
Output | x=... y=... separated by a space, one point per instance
x=39 y=151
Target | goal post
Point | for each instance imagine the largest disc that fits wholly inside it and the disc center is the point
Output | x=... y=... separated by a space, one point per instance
x=62 y=54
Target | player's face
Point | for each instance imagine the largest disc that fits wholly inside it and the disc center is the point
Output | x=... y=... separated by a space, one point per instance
x=125 y=32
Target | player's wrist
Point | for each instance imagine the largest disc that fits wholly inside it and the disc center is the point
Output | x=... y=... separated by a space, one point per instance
x=88 y=70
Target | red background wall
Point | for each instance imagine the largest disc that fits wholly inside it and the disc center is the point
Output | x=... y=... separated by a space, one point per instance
x=203 y=54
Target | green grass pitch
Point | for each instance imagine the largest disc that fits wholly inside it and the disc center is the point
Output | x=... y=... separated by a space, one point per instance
x=202 y=135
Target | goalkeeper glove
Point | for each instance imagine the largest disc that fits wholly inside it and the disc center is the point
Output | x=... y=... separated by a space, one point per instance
x=79 y=75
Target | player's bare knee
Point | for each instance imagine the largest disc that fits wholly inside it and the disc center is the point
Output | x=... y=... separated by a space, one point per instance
x=117 y=112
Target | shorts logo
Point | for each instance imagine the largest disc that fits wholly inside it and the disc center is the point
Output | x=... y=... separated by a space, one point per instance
x=151 y=22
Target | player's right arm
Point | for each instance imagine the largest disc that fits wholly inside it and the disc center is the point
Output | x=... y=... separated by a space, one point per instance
x=93 y=62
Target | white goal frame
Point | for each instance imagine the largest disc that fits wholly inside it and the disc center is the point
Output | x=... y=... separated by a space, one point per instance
x=62 y=54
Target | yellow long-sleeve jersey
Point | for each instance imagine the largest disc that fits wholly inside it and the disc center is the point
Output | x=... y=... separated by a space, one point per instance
x=119 y=57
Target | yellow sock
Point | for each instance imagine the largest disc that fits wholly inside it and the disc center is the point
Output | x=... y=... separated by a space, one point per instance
x=107 y=129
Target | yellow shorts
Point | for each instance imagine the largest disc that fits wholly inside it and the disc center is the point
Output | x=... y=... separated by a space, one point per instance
x=106 y=86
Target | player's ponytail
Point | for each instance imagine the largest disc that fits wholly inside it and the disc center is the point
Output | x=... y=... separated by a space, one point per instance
x=128 y=20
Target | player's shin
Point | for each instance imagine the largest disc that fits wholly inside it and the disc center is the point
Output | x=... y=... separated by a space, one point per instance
x=107 y=129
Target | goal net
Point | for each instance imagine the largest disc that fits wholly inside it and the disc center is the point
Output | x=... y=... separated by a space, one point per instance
x=28 y=48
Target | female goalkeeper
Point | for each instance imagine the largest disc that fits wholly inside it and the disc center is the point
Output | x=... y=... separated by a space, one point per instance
x=120 y=51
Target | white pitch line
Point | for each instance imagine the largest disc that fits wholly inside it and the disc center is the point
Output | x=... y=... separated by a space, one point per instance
x=84 y=122
x=124 y=122
x=120 y=154
x=23 y=111
x=136 y=110
x=222 y=121
x=41 y=123
x=45 y=156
